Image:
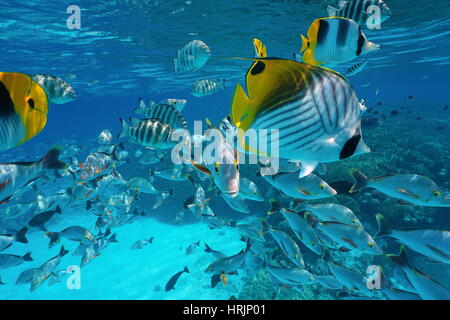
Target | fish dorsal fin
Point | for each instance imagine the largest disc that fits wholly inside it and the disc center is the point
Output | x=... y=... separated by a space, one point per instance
x=260 y=48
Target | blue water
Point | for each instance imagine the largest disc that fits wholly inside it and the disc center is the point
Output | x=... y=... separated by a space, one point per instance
x=124 y=51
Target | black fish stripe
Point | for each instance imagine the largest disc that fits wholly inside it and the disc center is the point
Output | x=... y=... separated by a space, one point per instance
x=302 y=133
x=322 y=101
x=301 y=143
x=268 y=119
x=324 y=28
x=342 y=33
x=318 y=111
x=352 y=9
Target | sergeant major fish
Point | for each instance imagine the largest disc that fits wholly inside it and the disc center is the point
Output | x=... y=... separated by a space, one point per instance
x=207 y=87
x=358 y=10
x=191 y=57
x=58 y=91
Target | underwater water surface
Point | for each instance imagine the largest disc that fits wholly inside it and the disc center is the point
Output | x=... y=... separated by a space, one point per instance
x=124 y=51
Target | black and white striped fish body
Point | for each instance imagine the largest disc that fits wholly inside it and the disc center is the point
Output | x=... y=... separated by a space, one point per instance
x=207 y=87
x=333 y=41
x=361 y=10
x=95 y=165
x=179 y=104
x=165 y=113
x=58 y=91
x=149 y=132
x=191 y=57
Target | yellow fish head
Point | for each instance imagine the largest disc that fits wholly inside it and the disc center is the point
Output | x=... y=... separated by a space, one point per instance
x=29 y=100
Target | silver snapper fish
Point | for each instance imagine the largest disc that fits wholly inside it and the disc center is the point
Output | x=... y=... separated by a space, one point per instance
x=310 y=187
x=223 y=167
x=427 y=288
x=331 y=212
x=350 y=236
x=165 y=113
x=191 y=57
x=175 y=173
x=434 y=244
x=229 y=264
x=207 y=87
x=141 y=243
x=46 y=270
x=288 y=246
x=411 y=188
x=349 y=278
x=291 y=276
x=14 y=176
x=150 y=158
x=58 y=91
x=302 y=230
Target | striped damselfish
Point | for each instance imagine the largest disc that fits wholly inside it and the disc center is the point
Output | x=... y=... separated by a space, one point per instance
x=315 y=110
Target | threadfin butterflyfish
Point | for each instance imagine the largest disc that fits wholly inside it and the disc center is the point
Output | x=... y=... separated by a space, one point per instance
x=23 y=109
x=314 y=110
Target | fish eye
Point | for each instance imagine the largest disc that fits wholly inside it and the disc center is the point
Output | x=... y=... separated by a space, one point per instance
x=321 y=186
x=436 y=193
x=370 y=244
x=31 y=103
x=258 y=68
x=217 y=168
x=354 y=221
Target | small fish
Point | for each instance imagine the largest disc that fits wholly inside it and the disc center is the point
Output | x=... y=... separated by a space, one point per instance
x=215 y=253
x=46 y=270
x=105 y=136
x=309 y=188
x=434 y=244
x=207 y=87
x=97 y=164
x=39 y=220
x=150 y=158
x=6 y=240
x=334 y=40
x=287 y=245
x=141 y=243
x=149 y=133
x=175 y=173
x=410 y=188
x=162 y=197
x=14 y=176
x=165 y=113
x=191 y=57
x=394 y=113
x=302 y=230
x=172 y=281
x=11 y=260
x=331 y=212
x=359 y=11
x=24 y=107
x=142 y=185
x=349 y=236
x=74 y=233
x=26 y=276
x=291 y=276
x=58 y=91
x=192 y=247
x=427 y=288
x=229 y=264
x=356 y=68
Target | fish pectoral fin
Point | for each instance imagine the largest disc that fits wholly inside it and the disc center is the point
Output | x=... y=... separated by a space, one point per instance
x=403 y=203
x=408 y=193
x=438 y=252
